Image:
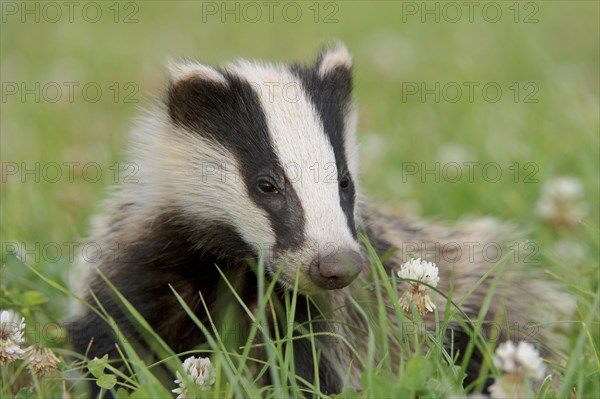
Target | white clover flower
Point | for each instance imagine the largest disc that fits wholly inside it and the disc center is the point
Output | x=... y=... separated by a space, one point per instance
x=523 y=359
x=560 y=203
x=11 y=336
x=200 y=371
x=423 y=272
x=519 y=363
x=41 y=360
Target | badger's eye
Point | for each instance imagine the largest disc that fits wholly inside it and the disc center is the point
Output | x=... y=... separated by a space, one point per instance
x=267 y=187
x=344 y=183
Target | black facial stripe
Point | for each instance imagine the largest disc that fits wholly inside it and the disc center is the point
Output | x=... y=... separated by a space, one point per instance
x=231 y=115
x=331 y=96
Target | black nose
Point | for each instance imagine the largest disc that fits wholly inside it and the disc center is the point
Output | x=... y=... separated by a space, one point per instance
x=336 y=270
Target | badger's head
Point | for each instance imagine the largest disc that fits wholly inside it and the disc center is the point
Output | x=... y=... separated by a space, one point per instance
x=268 y=152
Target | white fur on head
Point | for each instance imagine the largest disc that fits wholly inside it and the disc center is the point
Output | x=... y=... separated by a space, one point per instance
x=336 y=57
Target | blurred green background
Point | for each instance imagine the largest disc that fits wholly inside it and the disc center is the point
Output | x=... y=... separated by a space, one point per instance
x=543 y=56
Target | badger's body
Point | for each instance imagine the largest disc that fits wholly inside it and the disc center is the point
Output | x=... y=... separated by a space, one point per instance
x=262 y=158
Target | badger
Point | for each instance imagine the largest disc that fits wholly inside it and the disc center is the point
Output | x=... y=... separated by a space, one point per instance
x=256 y=162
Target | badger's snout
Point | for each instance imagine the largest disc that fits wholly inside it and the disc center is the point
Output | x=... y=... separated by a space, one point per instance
x=336 y=270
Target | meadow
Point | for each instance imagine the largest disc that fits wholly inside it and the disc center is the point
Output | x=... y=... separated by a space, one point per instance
x=467 y=109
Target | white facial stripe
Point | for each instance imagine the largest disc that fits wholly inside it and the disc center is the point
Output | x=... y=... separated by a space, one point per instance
x=304 y=151
x=351 y=152
x=201 y=178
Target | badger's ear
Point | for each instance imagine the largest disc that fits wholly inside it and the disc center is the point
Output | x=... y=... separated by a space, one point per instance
x=334 y=71
x=334 y=58
x=195 y=92
x=182 y=70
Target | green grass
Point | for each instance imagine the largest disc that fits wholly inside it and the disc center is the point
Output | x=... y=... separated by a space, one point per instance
x=557 y=58
x=424 y=369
